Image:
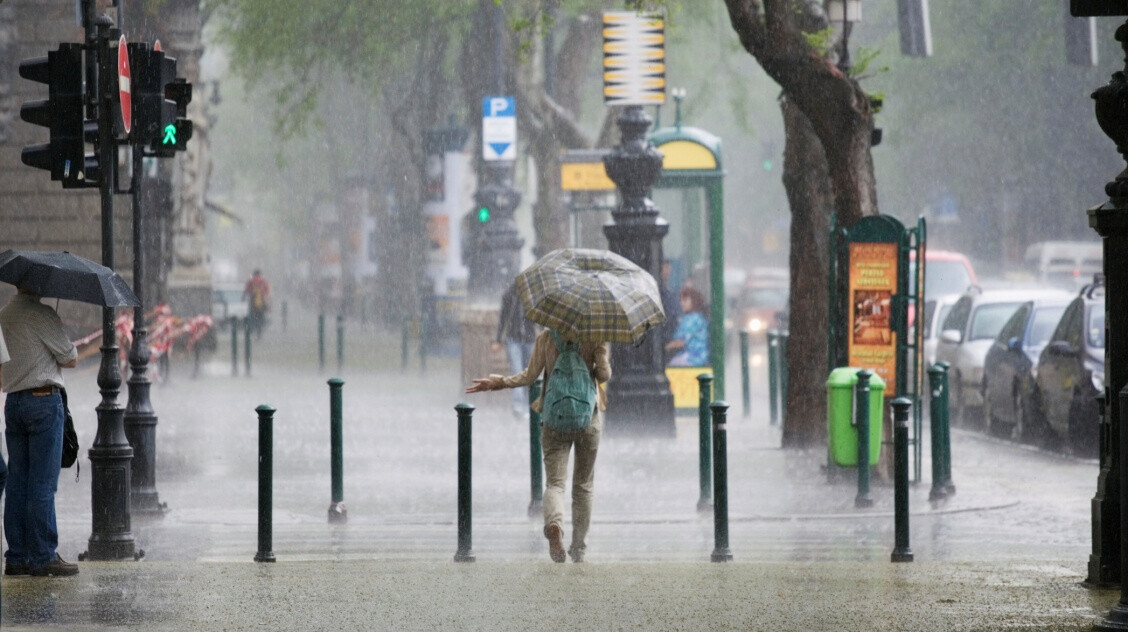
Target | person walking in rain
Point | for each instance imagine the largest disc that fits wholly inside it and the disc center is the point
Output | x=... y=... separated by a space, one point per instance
x=32 y=378
x=557 y=445
x=257 y=293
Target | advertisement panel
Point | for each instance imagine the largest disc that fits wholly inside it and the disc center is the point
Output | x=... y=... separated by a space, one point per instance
x=872 y=341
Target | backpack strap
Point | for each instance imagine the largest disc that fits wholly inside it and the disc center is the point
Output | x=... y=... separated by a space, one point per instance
x=556 y=340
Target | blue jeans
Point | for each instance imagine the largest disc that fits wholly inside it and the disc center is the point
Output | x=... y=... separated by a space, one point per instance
x=518 y=353
x=34 y=435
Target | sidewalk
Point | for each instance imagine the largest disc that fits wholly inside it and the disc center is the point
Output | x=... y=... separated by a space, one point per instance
x=1008 y=551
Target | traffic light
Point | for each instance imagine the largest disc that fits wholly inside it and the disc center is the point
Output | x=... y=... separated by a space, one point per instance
x=175 y=128
x=483 y=214
x=62 y=113
x=160 y=102
x=1080 y=40
x=916 y=32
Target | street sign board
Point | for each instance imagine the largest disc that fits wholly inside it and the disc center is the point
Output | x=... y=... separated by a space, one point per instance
x=499 y=128
x=124 y=96
x=634 y=58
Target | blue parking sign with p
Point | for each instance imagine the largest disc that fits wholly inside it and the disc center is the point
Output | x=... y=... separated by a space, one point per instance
x=499 y=128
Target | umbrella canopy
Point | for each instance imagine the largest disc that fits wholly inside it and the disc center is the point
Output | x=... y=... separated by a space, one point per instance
x=591 y=295
x=67 y=276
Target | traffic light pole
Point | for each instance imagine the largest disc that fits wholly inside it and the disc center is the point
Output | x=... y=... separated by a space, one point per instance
x=111 y=454
x=139 y=419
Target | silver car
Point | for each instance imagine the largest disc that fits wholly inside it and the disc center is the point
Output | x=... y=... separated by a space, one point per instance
x=965 y=337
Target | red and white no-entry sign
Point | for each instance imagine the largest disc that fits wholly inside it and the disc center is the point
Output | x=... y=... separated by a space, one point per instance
x=124 y=96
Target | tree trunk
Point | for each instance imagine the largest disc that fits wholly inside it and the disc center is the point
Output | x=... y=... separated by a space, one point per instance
x=806 y=180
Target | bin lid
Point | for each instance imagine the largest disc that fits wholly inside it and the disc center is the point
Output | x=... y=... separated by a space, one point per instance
x=848 y=376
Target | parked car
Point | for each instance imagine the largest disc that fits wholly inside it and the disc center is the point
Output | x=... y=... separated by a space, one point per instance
x=227 y=301
x=1008 y=369
x=1070 y=373
x=945 y=272
x=966 y=335
x=1066 y=264
x=935 y=311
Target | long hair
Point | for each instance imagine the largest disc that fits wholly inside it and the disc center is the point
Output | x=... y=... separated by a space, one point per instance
x=696 y=299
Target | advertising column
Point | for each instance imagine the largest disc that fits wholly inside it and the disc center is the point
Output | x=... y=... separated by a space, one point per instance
x=872 y=340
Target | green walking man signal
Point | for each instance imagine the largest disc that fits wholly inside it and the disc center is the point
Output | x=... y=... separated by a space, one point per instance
x=169 y=135
x=484 y=214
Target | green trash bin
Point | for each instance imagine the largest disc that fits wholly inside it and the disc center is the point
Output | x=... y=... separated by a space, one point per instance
x=842 y=431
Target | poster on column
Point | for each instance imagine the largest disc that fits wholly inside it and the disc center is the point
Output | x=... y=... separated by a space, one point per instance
x=873 y=283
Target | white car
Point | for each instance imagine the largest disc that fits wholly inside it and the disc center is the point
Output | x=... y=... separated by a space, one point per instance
x=228 y=301
x=966 y=335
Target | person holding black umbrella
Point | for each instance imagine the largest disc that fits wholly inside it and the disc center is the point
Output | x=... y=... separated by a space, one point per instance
x=34 y=412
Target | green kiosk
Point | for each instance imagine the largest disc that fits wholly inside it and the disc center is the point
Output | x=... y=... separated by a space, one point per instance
x=690 y=196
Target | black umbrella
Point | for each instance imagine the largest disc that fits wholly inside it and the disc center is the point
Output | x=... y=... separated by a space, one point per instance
x=63 y=275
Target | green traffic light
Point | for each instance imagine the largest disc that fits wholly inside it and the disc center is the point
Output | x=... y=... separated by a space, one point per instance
x=169 y=135
x=484 y=214
x=767 y=165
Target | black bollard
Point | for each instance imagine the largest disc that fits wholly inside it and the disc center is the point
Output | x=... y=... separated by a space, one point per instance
x=901 y=550
x=536 y=459
x=337 y=511
x=321 y=343
x=247 y=346
x=465 y=551
x=266 y=484
x=340 y=342
x=861 y=420
x=946 y=433
x=704 y=448
x=936 y=423
x=721 y=550
x=234 y=347
x=745 y=378
x=773 y=377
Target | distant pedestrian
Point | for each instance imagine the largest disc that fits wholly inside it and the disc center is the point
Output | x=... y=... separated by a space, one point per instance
x=34 y=412
x=690 y=342
x=257 y=294
x=518 y=334
x=557 y=445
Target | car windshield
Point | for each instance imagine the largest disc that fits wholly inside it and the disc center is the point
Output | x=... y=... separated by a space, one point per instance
x=989 y=319
x=764 y=297
x=1045 y=320
x=945 y=277
x=1096 y=329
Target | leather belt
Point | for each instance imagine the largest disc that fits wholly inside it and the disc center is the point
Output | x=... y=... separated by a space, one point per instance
x=41 y=391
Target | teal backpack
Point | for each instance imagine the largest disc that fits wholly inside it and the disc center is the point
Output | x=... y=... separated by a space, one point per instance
x=569 y=399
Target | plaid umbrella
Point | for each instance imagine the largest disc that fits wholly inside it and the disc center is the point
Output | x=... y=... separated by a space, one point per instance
x=591 y=295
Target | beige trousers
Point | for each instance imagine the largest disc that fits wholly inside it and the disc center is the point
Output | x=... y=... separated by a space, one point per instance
x=556 y=446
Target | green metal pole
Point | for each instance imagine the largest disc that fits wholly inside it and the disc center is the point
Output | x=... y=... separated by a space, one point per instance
x=247 y=347
x=321 y=342
x=340 y=343
x=423 y=344
x=337 y=511
x=285 y=315
x=936 y=416
x=266 y=484
x=234 y=347
x=465 y=551
x=721 y=550
x=745 y=379
x=773 y=377
x=704 y=383
x=536 y=466
x=717 y=277
x=901 y=550
x=861 y=419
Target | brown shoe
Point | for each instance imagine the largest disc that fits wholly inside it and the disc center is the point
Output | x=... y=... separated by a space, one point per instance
x=55 y=568
x=555 y=537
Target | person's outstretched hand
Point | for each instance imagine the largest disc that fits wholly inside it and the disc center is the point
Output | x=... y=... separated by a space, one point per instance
x=479 y=385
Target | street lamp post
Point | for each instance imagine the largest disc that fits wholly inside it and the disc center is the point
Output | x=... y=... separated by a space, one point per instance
x=639 y=397
x=111 y=454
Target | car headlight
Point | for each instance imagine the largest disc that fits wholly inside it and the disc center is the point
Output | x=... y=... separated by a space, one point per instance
x=1097 y=378
x=755 y=325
